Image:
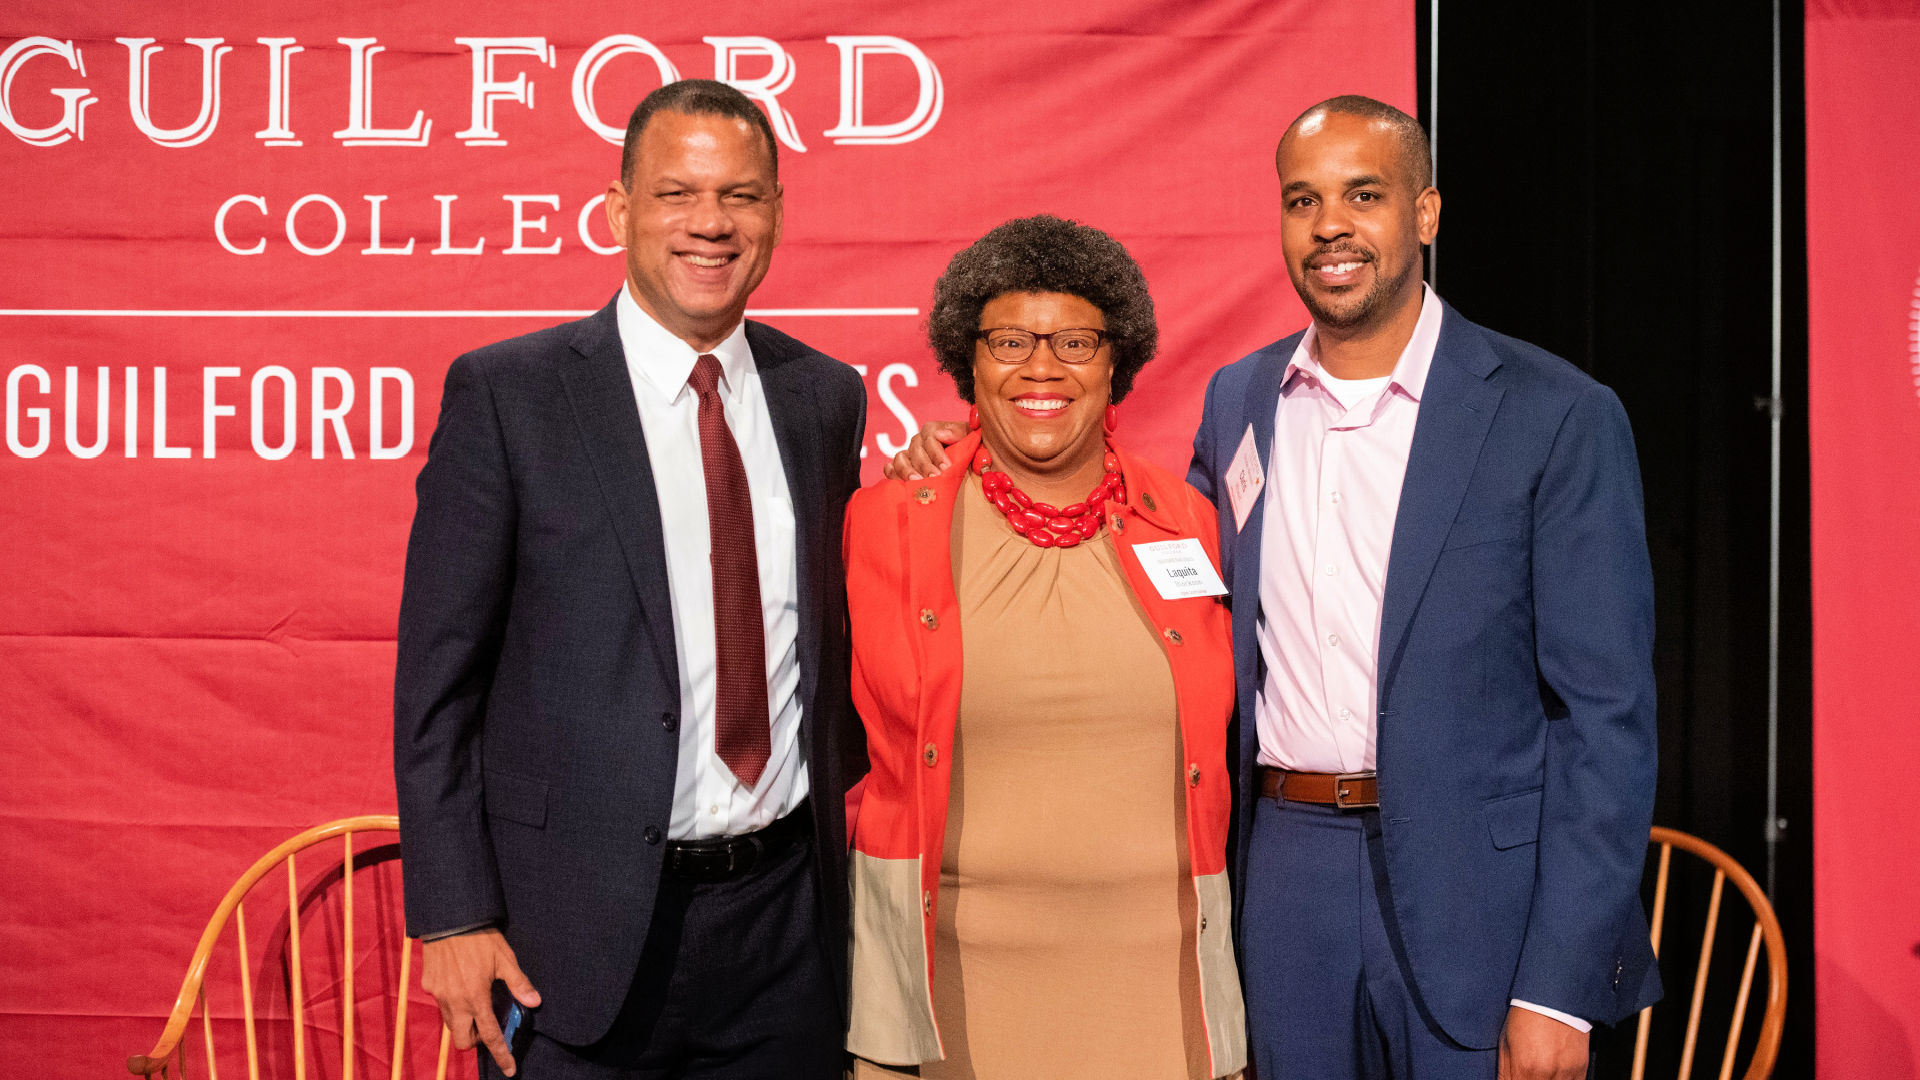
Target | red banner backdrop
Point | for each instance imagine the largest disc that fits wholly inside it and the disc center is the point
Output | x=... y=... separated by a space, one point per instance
x=1863 y=254
x=242 y=242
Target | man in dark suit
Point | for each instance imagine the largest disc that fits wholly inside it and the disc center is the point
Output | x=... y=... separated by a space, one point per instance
x=622 y=732
x=1443 y=627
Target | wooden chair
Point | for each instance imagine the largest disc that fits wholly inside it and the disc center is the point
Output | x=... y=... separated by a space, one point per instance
x=281 y=1044
x=1766 y=929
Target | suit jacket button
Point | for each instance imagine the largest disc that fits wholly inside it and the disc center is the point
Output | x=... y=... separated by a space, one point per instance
x=1118 y=524
x=926 y=902
x=925 y=495
x=1171 y=635
x=669 y=721
x=931 y=755
x=1193 y=776
x=928 y=619
x=652 y=834
x=1146 y=500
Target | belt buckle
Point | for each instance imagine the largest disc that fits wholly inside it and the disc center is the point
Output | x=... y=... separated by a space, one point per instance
x=1340 y=790
x=705 y=864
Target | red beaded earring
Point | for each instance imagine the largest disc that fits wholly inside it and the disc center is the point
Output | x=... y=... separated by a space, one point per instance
x=1112 y=421
x=973 y=418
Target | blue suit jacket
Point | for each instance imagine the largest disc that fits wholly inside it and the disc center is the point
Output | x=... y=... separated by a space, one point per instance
x=536 y=691
x=1516 y=746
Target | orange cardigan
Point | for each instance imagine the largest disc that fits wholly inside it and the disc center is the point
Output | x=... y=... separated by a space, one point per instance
x=906 y=687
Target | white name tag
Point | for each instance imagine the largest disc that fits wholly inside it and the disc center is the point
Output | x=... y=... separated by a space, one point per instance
x=1244 y=480
x=1180 y=569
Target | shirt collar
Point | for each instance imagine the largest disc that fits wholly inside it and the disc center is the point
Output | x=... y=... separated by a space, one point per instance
x=663 y=362
x=1409 y=372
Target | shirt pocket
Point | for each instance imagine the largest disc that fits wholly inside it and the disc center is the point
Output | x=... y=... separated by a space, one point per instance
x=776 y=550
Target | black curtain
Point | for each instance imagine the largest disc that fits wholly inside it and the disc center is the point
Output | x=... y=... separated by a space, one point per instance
x=1607 y=184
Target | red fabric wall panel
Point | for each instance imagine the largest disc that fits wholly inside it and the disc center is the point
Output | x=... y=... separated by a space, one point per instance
x=1863 y=249
x=196 y=639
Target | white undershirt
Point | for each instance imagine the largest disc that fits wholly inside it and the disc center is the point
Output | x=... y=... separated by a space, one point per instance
x=707 y=800
x=1351 y=392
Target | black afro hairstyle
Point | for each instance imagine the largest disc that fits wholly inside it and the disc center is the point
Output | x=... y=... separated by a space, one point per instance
x=1043 y=254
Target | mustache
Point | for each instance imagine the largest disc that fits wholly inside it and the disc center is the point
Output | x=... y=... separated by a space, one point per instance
x=1347 y=249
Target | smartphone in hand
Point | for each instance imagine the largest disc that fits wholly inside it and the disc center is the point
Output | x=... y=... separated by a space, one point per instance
x=516 y=1022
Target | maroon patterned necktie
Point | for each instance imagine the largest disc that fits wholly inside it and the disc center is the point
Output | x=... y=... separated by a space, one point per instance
x=742 y=735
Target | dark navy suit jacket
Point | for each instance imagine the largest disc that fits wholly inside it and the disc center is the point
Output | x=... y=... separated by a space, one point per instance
x=1516 y=746
x=536 y=695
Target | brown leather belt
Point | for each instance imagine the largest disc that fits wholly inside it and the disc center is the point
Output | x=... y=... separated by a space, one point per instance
x=1349 y=791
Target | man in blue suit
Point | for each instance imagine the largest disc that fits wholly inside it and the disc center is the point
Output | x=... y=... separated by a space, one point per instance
x=1443 y=626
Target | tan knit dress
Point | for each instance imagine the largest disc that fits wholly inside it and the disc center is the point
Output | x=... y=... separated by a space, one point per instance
x=1065 y=944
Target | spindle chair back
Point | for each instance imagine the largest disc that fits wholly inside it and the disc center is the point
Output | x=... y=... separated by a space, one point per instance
x=1766 y=931
x=170 y=1055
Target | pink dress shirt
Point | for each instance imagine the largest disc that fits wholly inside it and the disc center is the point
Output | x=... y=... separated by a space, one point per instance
x=1333 y=490
x=1332 y=494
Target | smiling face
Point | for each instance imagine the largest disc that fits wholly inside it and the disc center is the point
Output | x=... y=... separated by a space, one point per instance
x=1353 y=222
x=699 y=224
x=1043 y=418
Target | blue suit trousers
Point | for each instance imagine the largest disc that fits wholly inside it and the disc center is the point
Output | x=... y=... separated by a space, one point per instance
x=1327 y=998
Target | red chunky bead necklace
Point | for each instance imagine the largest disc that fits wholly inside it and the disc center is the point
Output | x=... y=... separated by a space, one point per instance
x=1044 y=525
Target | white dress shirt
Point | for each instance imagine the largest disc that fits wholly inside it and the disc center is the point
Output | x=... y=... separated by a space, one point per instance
x=708 y=800
x=1342 y=445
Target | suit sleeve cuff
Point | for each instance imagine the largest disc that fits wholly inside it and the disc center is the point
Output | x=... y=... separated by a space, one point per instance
x=436 y=935
x=1573 y=1022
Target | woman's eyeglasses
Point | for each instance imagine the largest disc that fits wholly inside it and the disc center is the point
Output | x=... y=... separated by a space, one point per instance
x=1011 y=345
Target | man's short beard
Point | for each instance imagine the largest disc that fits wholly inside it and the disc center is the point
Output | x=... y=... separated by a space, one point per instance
x=1369 y=306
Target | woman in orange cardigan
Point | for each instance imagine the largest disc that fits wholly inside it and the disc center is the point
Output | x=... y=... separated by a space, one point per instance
x=1045 y=674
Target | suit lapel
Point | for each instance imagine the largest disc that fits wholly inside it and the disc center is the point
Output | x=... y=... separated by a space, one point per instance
x=1259 y=403
x=601 y=393
x=795 y=413
x=1457 y=407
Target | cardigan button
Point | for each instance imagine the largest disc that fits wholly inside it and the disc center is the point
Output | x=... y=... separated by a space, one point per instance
x=1117 y=524
x=1146 y=500
x=924 y=495
x=928 y=619
x=1193 y=775
x=931 y=755
x=926 y=902
x=1171 y=635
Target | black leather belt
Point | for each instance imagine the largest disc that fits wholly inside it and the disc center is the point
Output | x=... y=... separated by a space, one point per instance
x=725 y=858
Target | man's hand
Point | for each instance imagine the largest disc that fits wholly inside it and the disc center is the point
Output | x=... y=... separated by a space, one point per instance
x=459 y=972
x=925 y=454
x=1537 y=1047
